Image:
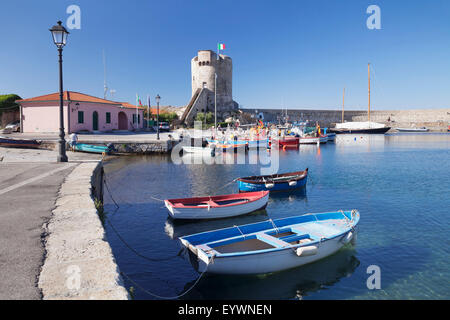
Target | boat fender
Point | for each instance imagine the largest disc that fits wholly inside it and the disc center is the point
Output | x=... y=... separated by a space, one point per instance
x=306 y=251
x=353 y=241
x=292 y=183
x=269 y=185
x=347 y=238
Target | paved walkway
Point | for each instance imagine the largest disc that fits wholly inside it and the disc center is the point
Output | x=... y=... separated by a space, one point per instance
x=29 y=183
x=26 y=203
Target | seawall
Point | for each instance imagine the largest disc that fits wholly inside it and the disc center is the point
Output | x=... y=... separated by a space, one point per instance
x=79 y=263
x=435 y=119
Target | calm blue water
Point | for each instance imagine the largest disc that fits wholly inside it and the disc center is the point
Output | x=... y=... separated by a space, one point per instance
x=399 y=183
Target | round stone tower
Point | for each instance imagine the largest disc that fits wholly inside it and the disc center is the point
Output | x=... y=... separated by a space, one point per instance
x=204 y=67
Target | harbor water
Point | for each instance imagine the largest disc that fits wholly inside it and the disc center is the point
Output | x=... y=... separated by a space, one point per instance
x=400 y=183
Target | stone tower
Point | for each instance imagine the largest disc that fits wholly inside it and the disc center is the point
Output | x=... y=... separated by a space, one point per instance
x=203 y=68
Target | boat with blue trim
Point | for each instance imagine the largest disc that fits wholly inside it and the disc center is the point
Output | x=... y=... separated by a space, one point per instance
x=82 y=147
x=271 y=245
x=274 y=182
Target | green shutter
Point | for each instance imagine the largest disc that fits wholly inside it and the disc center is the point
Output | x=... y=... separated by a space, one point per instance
x=108 y=117
x=80 y=117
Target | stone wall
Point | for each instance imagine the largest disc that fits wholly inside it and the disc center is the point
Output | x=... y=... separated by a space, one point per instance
x=7 y=117
x=79 y=263
x=435 y=119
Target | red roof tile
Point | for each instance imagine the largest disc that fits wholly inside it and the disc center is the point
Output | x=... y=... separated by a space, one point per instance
x=69 y=96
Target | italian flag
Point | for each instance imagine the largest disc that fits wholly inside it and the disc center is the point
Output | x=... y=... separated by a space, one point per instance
x=220 y=46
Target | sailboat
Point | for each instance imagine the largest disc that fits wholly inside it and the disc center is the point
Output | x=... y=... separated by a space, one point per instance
x=362 y=126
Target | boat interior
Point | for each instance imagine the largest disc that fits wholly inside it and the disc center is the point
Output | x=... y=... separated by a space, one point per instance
x=272 y=237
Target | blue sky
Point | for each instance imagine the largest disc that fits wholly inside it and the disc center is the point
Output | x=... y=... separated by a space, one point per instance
x=295 y=54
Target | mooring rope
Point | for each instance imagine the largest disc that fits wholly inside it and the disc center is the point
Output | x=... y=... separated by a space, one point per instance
x=173 y=297
x=126 y=244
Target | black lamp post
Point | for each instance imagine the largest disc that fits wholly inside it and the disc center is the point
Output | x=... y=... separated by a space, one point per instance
x=59 y=34
x=158 y=98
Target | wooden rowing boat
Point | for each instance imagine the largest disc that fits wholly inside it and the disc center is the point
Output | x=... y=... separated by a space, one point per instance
x=275 y=182
x=19 y=143
x=272 y=245
x=215 y=207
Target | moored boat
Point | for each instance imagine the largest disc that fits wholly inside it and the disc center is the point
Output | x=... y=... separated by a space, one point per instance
x=422 y=129
x=210 y=151
x=309 y=140
x=275 y=182
x=18 y=143
x=331 y=136
x=89 y=148
x=215 y=207
x=272 y=245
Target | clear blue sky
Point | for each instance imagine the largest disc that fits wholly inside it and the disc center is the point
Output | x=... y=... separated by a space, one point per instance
x=296 y=54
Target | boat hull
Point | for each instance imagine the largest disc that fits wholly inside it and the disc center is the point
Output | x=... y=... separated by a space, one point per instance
x=412 y=130
x=364 y=131
x=272 y=245
x=82 y=147
x=283 y=182
x=216 y=212
x=18 y=143
x=284 y=186
x=268 y=262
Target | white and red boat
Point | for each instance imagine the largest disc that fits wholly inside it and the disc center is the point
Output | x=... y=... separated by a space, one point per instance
x=215 y=207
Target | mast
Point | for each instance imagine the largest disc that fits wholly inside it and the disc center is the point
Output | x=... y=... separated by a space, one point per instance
x=105 y=88
x=343 y=100
x=368 y=111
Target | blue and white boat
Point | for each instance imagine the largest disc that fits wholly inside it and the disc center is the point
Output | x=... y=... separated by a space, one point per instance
x=251 y=144
x=275 y=182
x=272 y=245
x=89 y=148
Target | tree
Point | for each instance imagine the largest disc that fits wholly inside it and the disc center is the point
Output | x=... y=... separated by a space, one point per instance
x=8 y=102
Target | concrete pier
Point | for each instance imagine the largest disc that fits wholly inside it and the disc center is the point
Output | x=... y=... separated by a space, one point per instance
x=53 y=242
x=79 y=263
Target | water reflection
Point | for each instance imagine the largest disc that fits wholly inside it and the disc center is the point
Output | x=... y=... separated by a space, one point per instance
x=290 y=284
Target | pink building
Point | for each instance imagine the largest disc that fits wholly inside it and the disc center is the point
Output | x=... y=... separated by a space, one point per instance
x=82 y=112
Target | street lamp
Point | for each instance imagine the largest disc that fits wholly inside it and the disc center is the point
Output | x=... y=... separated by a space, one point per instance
x=158 y=98
x=59 y=34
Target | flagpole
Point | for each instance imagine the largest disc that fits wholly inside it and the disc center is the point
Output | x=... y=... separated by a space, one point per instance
x=148 y=109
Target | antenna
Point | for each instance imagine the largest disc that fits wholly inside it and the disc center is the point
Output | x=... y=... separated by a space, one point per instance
x=105 y=87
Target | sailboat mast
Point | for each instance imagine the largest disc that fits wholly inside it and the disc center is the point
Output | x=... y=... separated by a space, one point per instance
x=343 y=101
x=368 y=71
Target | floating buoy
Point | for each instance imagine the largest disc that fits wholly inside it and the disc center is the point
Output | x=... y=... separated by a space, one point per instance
x=306 y=251
x=292 y=183
x=269 y=185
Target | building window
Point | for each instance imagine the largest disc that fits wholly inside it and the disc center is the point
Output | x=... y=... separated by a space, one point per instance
x=108 y=117
x=139 y=118
x=80 y=117
x=134 y=118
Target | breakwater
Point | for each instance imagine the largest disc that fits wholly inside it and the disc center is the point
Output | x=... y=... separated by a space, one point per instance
x=435 y=119
x=79 y=263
